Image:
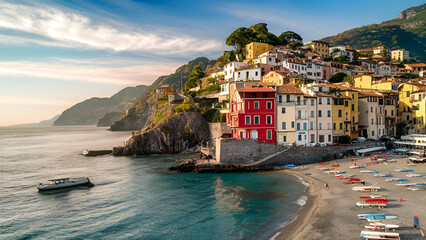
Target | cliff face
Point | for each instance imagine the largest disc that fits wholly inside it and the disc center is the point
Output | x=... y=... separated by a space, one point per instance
x=110 y=118
x=173 y=135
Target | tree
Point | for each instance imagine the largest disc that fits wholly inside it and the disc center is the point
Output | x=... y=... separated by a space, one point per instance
x=294 y=45
x=349 y=79
x=338 y=77
x=260 y=28
x=240 y=38
x=290 y=36
x=194 y=78
x=342 y=59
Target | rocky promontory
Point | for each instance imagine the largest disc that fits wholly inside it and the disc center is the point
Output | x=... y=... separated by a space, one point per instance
x=176 y=134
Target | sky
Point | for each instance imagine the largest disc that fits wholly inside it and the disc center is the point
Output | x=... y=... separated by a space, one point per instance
x=54 y=54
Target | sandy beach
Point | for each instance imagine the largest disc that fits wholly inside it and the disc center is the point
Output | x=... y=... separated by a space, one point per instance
x=332 y=213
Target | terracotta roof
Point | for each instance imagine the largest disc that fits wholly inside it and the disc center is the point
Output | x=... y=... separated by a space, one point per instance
x=365 y=50
x=416 y=64
x=377 y=56
x=310 y=54
x=369 y=94
x=322 y=94
x=255 y=87
x=289 y=88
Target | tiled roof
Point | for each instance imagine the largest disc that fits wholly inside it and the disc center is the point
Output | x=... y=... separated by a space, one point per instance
x=416 y=64
x=377 y=56
x=289 y=88
x=369 y=94
x=255 y=87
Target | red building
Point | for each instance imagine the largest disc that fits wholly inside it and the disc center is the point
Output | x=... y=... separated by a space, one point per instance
x=252 y=113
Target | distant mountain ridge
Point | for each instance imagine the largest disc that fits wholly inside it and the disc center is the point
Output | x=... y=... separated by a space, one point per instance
x=91 y=110
x=407 y=30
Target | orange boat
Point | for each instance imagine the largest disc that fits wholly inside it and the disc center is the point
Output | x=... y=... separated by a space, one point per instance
x=322 y=163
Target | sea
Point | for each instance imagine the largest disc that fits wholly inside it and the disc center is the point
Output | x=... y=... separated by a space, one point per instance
x=133 y=197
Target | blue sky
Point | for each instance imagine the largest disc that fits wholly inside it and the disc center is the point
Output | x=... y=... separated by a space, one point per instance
x=55 y=54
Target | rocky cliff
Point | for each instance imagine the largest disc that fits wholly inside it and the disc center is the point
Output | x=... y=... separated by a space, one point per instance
x=176 y=134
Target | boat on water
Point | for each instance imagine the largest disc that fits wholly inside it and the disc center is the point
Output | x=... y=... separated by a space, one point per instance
x=379 y=235
x=61 y=183
x=377 y=216
x=366 y=189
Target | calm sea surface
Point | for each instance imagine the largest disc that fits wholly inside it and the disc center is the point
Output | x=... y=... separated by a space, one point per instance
x=133 y=198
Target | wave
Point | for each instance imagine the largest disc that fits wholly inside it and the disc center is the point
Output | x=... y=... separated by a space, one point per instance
x=302 y=200
x=303 y=181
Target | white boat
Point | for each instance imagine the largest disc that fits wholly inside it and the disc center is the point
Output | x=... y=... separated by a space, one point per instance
x=413 y=188
x=414 y=175
x=391 y=179
x=369 y=171
x=376 y=216
x=366 y=188
x=381 y=226
x=410 y=184
x=325 y=168
x=404 y=170
x=366 y=204
x=371 y=196
x=379 y=235
x=333 y=172
x=61 y=183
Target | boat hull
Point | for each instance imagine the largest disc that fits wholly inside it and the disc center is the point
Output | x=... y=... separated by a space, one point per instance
x=67 y=184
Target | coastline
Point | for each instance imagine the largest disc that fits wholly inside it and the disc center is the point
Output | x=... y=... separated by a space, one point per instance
x=297 y=228
x=332 y=213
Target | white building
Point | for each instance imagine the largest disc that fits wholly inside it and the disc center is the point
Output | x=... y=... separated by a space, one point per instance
x=248 y=73
x=230 y=70
x=341 y=50
x=268 y=58
x=371 y=115
x=314 y=70
x=296 y=65
x=400 y=54
x=383 y=69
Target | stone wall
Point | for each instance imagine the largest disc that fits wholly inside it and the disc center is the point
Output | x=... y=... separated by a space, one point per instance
x=246 y=151
x=217 y=130
x=233 y=151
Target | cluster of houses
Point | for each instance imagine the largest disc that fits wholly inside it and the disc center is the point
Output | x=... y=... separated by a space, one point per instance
x=269 y=99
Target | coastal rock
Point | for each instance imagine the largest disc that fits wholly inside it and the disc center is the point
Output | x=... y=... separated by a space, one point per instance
x=176 y=134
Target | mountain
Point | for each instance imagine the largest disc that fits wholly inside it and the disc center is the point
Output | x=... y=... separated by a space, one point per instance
x=90 y=111
x=407 y=30
x=142 y=113
x=49 y=122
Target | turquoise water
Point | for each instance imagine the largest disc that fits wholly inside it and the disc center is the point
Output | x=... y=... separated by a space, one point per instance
x=133 y=198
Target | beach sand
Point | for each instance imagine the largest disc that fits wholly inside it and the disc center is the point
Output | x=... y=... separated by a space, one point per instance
x=332 y=213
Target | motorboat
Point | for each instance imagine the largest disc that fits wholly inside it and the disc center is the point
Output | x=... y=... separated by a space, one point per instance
x=61 y=183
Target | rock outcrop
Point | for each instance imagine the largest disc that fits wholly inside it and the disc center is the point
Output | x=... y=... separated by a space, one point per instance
x=176 y=134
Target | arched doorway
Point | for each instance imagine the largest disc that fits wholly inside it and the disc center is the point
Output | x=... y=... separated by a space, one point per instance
x=253 y=134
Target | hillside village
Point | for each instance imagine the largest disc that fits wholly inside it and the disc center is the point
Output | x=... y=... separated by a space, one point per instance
x=311 y=93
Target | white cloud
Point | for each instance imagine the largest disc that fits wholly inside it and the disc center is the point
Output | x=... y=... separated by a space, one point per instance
x=127 y=75
x=75 y=30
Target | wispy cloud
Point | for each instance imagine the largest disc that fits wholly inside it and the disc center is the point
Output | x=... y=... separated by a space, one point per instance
x=75 y=30
x=14 y=100
x=127 y=75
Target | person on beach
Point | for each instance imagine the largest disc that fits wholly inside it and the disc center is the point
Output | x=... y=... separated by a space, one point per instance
x=326 y=186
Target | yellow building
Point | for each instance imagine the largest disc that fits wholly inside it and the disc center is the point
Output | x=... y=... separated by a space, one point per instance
x=374 y=82
x=419 y=111
x=276 y=77
x=405 y=104
x=345 y=113
x=319 y=47
x=400 y=54
x=254 y=49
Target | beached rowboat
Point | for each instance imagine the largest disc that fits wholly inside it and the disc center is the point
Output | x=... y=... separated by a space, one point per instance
x=377 y=216
x=379 y=235
x=366 y=189
x=368 y=204
x=371 y=196
x=369 y=171
x=381 y=226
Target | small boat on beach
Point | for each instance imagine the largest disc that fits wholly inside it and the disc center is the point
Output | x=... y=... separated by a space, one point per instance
x=379 y=235
x=334 y=172
x=371 y=204
x=410 y=184
x=369 y=171
x=381 y=226
x=377 y=216
x=61 y=183
x=354 y=180
x=404 y=170
x=377 y=200
x=371 y=196
x=414 y=175
x=290 y=166
x=344 y=176
x=325 y=168
x=366 y=189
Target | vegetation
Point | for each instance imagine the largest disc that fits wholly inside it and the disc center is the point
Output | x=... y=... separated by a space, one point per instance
x=349 y=79
x=194 y=78
x=186 y=106
x=344 y=139
x=409 y=75
x=342 y=59
x=338 y=77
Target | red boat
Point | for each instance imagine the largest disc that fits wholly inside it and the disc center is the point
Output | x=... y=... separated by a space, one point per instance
x=322 y=163
x=352 y=159
x=376 y=200
x=336 y=165
x=371 y=196
x=344 y=176
x=354 y=180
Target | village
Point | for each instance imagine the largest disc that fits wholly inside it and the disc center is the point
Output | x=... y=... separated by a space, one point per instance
x=309 y=96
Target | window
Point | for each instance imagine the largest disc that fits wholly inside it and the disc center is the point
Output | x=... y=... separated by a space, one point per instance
x=380 y=131
x=268 y=105
x=269 y=134
x=346 y=103
x=329 y=138
x=334 y=126
x=372 y=109
x=305 y=126
x=312 y=125
x=346 y=127
x=321 y=138
x=268 y=119
x=253 y=95
x=320 y=100
x=353 y=107
x=312 y=114
x=320 y=126
x=265 y=95
x=340 y=113
x=299 y=137
x=284 y=138
x=312 y=138
x=353 y=119
x=280 y=99
x=319 y=113
x=256 y=120
x=288 y=98
x=328 y=113
x=391 y=112
x=341 y=126
x=248 y=120
x=328 y=101
x=283 y=125
x=298 y=126
x=283 y=110
x=299 y=114
x=312 y=102
x=328 y=126
x=256 y=105
x=298 y=100
x=372 y=133
x=292 y=124
x=372 y=121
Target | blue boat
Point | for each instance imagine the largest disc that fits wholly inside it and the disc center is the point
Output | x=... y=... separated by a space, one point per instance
x=403 y=180
x=377 y=216
x=290 y=165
